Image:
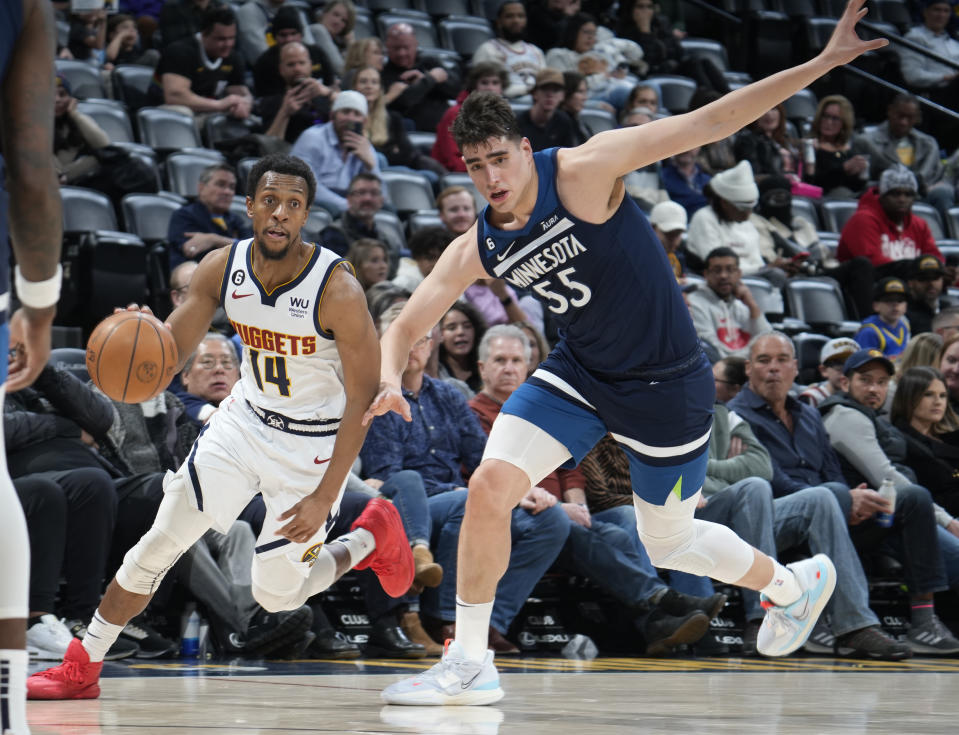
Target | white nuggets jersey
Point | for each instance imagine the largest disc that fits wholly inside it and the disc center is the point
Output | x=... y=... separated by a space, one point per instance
x=291 y=368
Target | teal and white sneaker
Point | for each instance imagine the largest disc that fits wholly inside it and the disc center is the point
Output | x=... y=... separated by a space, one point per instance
x=784 y=629
x=455 y=680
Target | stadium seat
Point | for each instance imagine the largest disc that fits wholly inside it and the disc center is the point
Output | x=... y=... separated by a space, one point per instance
x=797 y=8
x=808 y=348
x=464 y=36
x=131 y=84
x=318 y=219
x=768 y=297
x=183 y=170
x=675 y=92
x=238 y=206
x=86 y=210
x=422 y=219
x=818 y=31
x=422 y=26
x=118 y=274
x=148 y=215
x=365 y=26
x=806 y=208
x=895 y=12
x=770 y=37
x=243 y=169
x=84 y=79
x=831 y=8
x=71 y=359
x=801 y=107
x=408 y=191
x=819 y=302
x=61 y=336
x=111 y=116
x=378 y=5
x=699 y=48
x=423 y=140
x=931 y=215
x=166 y=130
x=836 y=212
x=597 y=120
x=220 y=127
x=952 y=222
x=388 y=222
x=442 y=8
x=463 y=179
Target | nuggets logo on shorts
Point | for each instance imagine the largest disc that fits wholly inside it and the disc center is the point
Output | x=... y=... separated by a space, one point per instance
x=311 y=553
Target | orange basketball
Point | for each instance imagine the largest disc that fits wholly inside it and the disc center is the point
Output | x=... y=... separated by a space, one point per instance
x=131 y=356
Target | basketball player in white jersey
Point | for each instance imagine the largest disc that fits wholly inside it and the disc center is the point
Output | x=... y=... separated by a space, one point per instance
x=35 y=229
x=291 y=428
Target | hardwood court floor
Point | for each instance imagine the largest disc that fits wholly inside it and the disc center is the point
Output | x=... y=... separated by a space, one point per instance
x=607 y=696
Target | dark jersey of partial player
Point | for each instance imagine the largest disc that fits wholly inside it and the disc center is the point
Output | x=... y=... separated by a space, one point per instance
x=11 y=22
x=609 y=287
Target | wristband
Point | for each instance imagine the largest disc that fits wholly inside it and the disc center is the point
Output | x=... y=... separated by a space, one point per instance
x=38 y=294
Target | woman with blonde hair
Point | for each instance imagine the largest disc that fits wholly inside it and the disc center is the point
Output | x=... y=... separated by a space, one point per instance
x=334 y=32
x=921 y=351
x=839 y=170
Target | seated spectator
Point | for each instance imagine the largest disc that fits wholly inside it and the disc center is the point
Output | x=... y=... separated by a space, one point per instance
x=338 y=150
x=717 y=156
x=788 y=242
x=539 y=348
x=522 y=59
x=933 y=79
x=483 y=77
x=255 y=27
x=729 y=374
x=599 y=550
x=802 y=456
x=207 y=223
x=669 y=223
x=832 y=359
x=725 y=313
x=302 y=100
x=367 y=52
x=457 y=208
x=684 y=181
x=896 y=141
x=644 y=184
x=370 y=260
x=884 y=229
x=429 y=85
x=364 y=199
x=386 y=130
x=461 y=330
x=87 y=37
x=76 y=137
x=442 y=445
x=643 y=95
x=768 y=148
x=840 y=170
x=193 y=73
x=426 y=246
x=181 y=19
x=547 y=21
x=925 y=293
x=574 y=101
x=123 y=44
x=946 y=322
x=208 y=377
x=334 y=32
x=948 y=363
x=921 y=411
x=544 y=124
x=268 y=76
x=887 y=330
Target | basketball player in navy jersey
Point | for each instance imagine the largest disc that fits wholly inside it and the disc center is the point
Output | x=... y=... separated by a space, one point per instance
x=627 y=362
x=291 y=428
x=27 y=49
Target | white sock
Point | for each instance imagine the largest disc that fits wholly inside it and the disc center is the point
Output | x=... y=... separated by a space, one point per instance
x=100 y=636
x=472 y=627
x=13 y=691
x=359 y=542
x=783 y=589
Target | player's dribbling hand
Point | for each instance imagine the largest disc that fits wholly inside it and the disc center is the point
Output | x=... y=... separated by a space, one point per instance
x=144 y=309
x=306 y=517
x=29 y=346
x=390 y=398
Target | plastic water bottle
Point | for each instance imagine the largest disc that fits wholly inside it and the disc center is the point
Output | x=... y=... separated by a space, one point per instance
x=190 y=642
x=581 y=647
x=888 y=493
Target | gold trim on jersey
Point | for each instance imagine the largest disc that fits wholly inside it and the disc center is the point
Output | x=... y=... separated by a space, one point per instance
x=326 y=282
x=269 y=292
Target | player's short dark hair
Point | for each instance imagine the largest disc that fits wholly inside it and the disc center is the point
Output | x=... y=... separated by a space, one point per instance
x=484 y=115
x=429 y=241
x=221 y=15
x=723 y=251
x=282 y=164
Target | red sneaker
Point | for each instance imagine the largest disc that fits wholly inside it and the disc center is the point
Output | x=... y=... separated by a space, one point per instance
x=75 y=678
x=392 y=560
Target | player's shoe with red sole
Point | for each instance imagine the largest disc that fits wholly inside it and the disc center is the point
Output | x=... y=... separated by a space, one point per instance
x=392 y=559
x=75 y=678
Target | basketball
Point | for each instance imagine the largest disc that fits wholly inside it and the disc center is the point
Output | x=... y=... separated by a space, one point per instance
x=131 y=356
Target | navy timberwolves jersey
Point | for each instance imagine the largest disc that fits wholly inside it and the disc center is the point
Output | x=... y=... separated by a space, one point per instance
x=609 y=287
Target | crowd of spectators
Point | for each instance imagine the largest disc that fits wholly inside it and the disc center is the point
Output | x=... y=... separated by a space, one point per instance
x=794 y=464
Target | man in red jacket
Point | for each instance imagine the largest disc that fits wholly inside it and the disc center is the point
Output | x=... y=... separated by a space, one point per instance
x=884 y=229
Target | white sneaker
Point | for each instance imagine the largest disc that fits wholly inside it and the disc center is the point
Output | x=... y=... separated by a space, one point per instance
x=784 y=629
x=456 y=679
x=48 y=639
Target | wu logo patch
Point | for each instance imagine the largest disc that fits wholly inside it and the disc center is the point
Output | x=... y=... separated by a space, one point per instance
x=300 y=303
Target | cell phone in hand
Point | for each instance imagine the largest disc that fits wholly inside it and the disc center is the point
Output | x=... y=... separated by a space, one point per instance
x=357 y=127
x=800 y=257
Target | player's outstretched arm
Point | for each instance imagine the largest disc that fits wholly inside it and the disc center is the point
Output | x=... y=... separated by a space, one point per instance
x=457 y=268
x=190 y=321
x=36 y=223
x=615 y=153
x=343 y=312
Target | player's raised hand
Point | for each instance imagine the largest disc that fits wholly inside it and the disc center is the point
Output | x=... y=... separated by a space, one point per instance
x=390 y=398
x=844 y=44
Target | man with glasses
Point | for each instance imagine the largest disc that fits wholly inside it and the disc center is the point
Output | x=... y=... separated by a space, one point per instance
x=725 y=313
x=208 y=377
x=884 y=229
x=207 y=223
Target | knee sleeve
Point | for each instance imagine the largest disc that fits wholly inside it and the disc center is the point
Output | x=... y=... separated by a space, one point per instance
x=675 y=540
x=146 y=564
x=277 y=585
